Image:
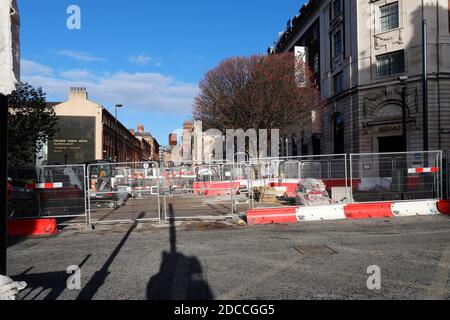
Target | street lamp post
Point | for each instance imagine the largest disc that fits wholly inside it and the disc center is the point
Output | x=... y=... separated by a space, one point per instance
x=404 y=169
x=404 y=82
x=116 y=154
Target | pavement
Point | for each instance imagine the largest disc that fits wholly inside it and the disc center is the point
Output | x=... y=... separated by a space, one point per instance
x=183 y=207
x=221 y=260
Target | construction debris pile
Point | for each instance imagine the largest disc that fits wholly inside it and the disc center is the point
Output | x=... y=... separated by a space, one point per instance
x=312 y=192
x=265 y=195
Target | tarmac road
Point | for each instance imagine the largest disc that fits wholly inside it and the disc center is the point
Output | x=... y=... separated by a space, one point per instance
x=326 y=260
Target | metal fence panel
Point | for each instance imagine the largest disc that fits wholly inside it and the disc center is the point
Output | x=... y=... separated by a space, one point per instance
x=199 y=191
x=275 y=182
x=123 y=192
x=47 y=191
x=396 y=176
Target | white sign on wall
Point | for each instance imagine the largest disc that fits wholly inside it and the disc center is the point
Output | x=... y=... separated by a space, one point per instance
x=9 y=46
x=300 y=63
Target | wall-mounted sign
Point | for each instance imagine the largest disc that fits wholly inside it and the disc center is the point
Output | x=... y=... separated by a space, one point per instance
x=390 y=128
x=75 y=141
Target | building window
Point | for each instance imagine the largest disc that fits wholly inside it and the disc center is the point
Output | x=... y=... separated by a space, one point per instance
x=338 y=83
x=391 y=64
x=337 y=8
x=389 y=17
x=337 y=40
x=338 y=133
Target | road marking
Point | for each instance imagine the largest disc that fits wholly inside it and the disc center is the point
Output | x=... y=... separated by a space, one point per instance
x=438 y=289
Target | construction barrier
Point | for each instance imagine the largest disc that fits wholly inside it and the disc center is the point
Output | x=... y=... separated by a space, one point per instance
x=34 y=227
x=199 y=190
x=401 y=176
x=47 y=191
x=269 y=190
x=378 y=210
x=123 y=192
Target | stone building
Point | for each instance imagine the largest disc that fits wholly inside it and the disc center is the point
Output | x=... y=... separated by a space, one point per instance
x=358 y=50
x=149 y=143
x=88 y=131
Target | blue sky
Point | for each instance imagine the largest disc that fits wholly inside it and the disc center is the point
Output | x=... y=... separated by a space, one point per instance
x=145 y=54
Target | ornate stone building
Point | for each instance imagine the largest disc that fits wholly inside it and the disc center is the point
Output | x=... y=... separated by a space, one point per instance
x=359 y=51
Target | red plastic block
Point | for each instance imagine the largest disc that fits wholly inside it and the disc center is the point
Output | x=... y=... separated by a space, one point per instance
x=443 y=206
x=35 y=227
x=369 y=210
x=284 y=215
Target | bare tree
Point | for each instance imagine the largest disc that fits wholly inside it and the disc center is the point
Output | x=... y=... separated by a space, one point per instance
x=259 y=92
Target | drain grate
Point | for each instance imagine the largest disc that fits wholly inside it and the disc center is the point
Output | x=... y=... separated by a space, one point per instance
x=315 y=250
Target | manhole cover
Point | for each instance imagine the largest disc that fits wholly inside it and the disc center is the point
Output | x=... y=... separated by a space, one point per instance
x=314 y=250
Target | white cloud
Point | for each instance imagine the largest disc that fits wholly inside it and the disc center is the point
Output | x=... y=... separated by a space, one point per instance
x=140 y=92
x=80 y=56
x=77 y=74
x=143 y=60
x=140 y=60
x=29 y=67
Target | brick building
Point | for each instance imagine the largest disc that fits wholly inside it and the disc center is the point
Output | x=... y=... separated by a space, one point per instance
x=88 y=131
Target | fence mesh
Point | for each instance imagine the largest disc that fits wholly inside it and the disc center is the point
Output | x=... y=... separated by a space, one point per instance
x=194 y=191
x=123 y=192
x=309 y=180
x=396 y=176
x=47 y=191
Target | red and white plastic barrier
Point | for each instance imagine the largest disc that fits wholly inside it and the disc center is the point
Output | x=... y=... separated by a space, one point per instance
x=423 y=170
x=47 y=186
x=378 y=210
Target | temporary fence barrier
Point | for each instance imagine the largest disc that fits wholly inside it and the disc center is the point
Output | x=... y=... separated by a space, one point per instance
x=298 y=180
x=396 y=176
x=123 y=192
x=47 y=191
x=198 y=191
x=106 y=192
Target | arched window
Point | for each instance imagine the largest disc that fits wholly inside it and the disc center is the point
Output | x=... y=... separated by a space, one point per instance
x=338 y=133
x=389 y=111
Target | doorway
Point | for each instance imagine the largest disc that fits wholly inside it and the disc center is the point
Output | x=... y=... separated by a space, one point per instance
x=391 y=144
x=389 y=163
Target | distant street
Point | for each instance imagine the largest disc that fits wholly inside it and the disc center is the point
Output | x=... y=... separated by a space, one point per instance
x=326 y=260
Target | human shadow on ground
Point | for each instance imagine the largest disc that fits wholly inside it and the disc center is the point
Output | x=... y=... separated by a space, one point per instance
x=180 y=277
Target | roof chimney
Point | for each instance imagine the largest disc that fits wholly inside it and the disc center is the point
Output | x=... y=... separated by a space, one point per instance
x=79 y=93
x=140 y=128
x=173 y=139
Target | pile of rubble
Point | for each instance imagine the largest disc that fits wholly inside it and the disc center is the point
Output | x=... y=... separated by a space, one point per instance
x=265 y=195
x=312 y=192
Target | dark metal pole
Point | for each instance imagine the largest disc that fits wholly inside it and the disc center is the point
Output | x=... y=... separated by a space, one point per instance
x=404 y=128
x=116 y=156
x=3 y=183
x=425 y=84
x=404 y=168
